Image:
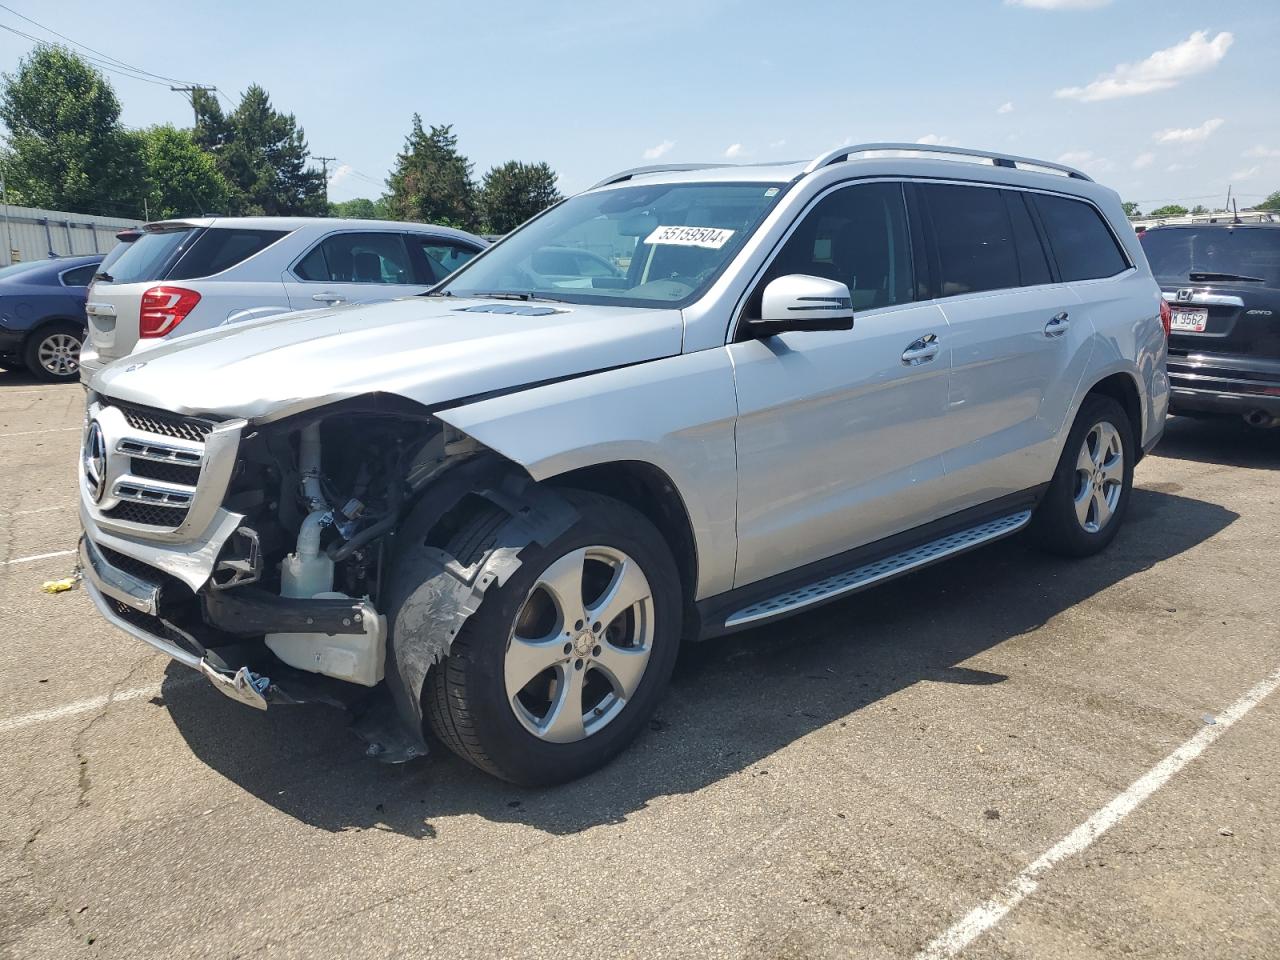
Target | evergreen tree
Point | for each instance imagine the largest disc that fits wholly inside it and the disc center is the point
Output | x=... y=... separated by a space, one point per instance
x=514 y=192
x=431 y=181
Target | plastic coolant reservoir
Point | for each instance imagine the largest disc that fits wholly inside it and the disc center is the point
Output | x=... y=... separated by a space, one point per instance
x=355 y=657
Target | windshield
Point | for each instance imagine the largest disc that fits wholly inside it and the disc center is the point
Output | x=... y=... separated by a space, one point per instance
x=636 y=246
x=1177 y=252
x=148 y=257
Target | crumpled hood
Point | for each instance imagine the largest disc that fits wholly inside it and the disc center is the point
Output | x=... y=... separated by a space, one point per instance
x=430 y=350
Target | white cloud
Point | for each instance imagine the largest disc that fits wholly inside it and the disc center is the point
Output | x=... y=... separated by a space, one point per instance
x=1189 y=134
x=1006 y=107
x=1160 y=71
x=661 y=149
x=1262 y=153
x=1175 y=167
x=1085 y=158
x=1143 y=160
x=933 y=139
x=777 y=143
x=1058 y=4
x=1248 y=173
x=733 y=150
x=340 y=173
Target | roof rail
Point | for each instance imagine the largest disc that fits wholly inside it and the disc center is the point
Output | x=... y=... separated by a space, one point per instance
x=655 y=168
x=999 y=159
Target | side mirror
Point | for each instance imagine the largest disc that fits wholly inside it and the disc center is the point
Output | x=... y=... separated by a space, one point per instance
x=800 y=302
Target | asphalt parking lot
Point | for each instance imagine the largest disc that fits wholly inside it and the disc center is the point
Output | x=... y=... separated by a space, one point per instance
x=905 y=771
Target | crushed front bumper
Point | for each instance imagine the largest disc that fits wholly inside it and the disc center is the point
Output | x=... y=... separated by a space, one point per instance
x=111 y=588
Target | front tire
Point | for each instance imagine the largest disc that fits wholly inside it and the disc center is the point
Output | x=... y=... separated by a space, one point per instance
x=1087 y=499
x=53 y=352
x=561 y=666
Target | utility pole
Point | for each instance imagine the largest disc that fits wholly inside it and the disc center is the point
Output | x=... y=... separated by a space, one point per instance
x=324 y=167
x=191 y=95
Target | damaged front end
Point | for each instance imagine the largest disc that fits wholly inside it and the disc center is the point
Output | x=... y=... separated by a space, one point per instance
x=300 y=560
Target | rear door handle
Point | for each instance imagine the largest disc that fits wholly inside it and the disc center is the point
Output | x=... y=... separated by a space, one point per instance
x=921 y=351
x=1058 y=325
x=329 y=298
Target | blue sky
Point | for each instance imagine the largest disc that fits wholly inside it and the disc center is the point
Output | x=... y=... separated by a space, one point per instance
x=1162 y=99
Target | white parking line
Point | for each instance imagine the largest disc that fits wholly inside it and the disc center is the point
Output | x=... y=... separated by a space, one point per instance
x=27 y=513
x=985 y=916
x=38 y=556
x=32 y=433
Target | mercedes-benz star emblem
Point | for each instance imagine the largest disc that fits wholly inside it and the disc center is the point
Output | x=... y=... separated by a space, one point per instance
x=93 y=460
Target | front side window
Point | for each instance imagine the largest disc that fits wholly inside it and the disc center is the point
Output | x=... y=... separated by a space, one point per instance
x=974 y=238
x=358 y=258
x=856 y=235
x=657 y=245
x=443 y=256
x=1081 y=242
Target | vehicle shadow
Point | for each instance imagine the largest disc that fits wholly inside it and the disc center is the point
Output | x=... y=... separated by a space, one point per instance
x=817 y=669
x=1227 y=440
x=19 y=378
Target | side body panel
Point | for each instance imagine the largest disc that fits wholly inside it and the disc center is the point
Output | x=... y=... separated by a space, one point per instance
x=839 y=441
x=676 y=414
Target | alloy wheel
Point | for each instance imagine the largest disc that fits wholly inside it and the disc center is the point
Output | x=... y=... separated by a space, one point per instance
x=1099 y=477
x=59 y=354
x=580 y=645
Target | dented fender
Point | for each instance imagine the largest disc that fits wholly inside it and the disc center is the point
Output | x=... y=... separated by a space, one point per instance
x=676 y=414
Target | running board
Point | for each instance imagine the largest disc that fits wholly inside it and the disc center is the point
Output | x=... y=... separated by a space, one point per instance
x=840 y=584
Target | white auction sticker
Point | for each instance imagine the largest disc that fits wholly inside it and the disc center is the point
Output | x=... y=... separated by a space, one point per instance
x=713 y=237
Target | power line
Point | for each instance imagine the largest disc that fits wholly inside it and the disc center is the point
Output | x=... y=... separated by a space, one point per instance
x=85 y=46
x=94 y=60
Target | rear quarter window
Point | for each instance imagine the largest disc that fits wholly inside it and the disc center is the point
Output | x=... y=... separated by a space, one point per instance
x=221 y=248
x=1082 y=244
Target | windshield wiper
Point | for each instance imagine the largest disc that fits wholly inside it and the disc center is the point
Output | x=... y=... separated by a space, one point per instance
x=1207 y=276
x=437 y=293
x=513 y=295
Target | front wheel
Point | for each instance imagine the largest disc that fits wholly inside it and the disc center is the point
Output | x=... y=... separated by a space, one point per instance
x=1086 y=501
x=53 y=352
x=563 y=664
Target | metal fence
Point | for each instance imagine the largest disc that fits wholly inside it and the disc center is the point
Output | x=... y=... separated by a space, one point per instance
x=27 y=233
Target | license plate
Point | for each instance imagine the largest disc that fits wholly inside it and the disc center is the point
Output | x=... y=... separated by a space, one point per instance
x=1190 y=319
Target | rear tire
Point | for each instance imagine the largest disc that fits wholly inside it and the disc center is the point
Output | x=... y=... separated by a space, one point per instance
x=1086 y=501
x=52 y=352
x=597 y=681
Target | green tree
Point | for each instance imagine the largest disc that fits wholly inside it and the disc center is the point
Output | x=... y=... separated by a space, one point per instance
x=1170 y=210
x=361 y=208
x=1131 y=209
x=1271 y=203
x=513 y=192
x=262 y=153
x=1199 y=209
x=431 y=181
x=68 y=150
x=181 y=179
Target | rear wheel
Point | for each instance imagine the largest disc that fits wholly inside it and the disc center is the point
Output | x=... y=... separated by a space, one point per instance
x=1089 y=494
x=53 y=352
x=562 y=665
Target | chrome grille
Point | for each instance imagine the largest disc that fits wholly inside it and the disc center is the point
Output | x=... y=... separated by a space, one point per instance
x=165 y=472
x=167 y=424
x=147 y=514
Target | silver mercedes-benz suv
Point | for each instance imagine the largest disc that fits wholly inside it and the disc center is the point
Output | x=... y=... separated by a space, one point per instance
x=495 y=510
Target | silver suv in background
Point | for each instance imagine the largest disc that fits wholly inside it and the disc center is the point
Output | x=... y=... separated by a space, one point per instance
x=495 y=511
x=182 y=276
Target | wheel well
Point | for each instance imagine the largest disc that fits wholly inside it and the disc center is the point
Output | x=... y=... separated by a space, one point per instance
x=48 y=322
x=1121 y=388
x=644 y=487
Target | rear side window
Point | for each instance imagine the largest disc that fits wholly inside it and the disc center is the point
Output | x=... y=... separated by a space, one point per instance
x=358 y=258
x=221 y=248
x=974 y=239
x=1081 y=242
x=80 y=276
x=1033 y=264
x=149 y=257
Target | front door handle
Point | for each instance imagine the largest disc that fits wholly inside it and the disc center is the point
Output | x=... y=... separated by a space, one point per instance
x=330 y=298
x=1057 y=325
x=921 y=351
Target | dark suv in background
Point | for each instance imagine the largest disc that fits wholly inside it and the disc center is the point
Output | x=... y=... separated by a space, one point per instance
x=1222 y=283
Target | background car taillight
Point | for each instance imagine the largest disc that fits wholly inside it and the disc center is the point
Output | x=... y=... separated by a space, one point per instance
x=1166 y=316
x=163 y=308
